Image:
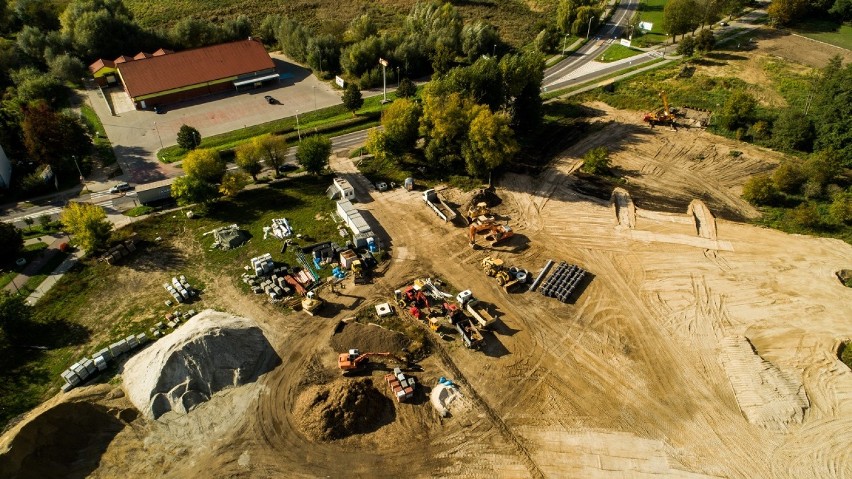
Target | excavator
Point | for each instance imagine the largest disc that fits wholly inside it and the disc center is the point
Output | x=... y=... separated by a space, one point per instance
x=661 y=117
x=313 y=301
x=495 y=233
x=355 y=360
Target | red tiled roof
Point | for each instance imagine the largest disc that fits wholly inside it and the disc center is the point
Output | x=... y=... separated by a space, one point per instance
x=123 y=59
x=142 y=55
x=162 y=51
x=192 y=67
x=101 y=63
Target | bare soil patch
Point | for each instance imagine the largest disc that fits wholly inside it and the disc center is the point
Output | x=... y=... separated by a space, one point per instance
x=342 y=408
x=369 y=338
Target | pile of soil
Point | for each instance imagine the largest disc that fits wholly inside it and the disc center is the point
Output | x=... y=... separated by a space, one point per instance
x=66 y=440
x=341 y=409
x=369 y=338
x=209 y=353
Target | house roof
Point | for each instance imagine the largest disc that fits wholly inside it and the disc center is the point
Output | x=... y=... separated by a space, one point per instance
x=122 y=59
x=142 y=55
x=99 y=64
x=192 y=67
x=162 y=51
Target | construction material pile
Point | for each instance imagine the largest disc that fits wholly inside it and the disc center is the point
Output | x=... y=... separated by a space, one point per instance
x=369 y=338
x=228 y=237
x=119 y=251
x=180 y=289
x=341 y=409
x=211 y=352
x=85 y=368
x=563 y=282
x=280 y=229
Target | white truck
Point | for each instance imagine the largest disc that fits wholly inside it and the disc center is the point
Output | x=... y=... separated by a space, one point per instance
x=477 y=310
x=442 y=209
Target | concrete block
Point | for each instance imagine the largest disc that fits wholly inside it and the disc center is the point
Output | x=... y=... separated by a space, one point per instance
x=100 y=363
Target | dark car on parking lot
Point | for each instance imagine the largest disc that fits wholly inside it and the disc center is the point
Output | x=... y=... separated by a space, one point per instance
x=271 y=100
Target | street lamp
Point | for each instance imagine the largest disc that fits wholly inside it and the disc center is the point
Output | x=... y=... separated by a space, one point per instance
x=384 y=64
x=564 y=39
x=298 y=128
x=494 y=51
x=589 y=30
x=82 y=180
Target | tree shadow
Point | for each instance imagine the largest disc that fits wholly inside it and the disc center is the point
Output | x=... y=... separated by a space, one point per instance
x=155 y=256
x=140 y=166
x=251 y=205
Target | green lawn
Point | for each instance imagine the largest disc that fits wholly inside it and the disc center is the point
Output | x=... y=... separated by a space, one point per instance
x=826 y=31
x=651 y=11
x=617 y=52
x=43 y=273
x=103 y=147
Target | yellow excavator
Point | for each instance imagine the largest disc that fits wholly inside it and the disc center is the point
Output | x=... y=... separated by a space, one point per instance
x=661 y=117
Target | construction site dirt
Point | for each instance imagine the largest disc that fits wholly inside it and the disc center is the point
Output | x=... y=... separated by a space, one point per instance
x=700 y=347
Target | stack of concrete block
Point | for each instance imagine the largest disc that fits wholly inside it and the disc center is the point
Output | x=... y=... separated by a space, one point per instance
x=262 y=265
x=85 y=368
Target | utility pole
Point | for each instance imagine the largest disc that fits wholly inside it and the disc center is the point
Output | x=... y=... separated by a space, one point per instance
x=564 y=39
x=589 y=30
x=384 y=64
x=298 y=129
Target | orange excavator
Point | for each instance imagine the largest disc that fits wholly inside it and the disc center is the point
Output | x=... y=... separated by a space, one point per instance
x=495 y=233
x=355 y=360
x=661 y=117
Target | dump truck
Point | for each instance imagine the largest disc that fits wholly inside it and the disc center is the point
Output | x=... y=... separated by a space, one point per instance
x=470 y=335
x=441 y=208
x=476 y=309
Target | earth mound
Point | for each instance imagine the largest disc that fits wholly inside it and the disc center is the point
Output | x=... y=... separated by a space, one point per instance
x=369 y=338
x=341 y=409
x=209 y=353
x=66 y=440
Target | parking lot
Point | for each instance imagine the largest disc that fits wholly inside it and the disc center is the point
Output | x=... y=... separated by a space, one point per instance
x=137 y=135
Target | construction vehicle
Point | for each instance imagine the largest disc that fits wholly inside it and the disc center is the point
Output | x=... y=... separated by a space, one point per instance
x=661 y=117
x=476 y=309
x=312 y=301
x=402 y=386
x=479 y=211
x=360 y=274
x=492 y=266
x=441 y=208
x=471 y=337
x=494 y=233
x=355 y=360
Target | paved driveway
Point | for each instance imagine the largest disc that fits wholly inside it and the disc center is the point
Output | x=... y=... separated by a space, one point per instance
x=137 y=135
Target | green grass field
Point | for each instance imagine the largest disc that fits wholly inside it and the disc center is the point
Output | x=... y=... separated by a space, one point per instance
x=651 y=11
x=825 y=31
x=617 y=52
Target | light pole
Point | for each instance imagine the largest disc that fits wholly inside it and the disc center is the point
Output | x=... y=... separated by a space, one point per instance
x=494 y=51
x=589 y=30
x=82 y=180
x=158 y=135
x=384 y=64
x=315 y=96
x=564 y=39
x=298 y=128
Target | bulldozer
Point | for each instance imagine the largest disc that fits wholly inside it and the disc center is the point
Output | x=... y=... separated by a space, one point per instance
x=355 y=361
x=661 y=117
x=492 y=266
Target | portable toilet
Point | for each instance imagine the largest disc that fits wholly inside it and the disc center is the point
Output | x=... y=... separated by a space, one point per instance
x=409 y=183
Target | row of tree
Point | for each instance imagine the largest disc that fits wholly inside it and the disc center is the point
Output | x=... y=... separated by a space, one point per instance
x=433 y=38
x=468 y=117
x=684 y=16
x=787 y=12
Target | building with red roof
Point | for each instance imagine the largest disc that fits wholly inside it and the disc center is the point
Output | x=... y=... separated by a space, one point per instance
x=166 y=77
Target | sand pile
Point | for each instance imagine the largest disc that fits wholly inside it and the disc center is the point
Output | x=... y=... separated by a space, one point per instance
x=211 y=352
x=369 y=338
x=342 y=408
x=66 y=440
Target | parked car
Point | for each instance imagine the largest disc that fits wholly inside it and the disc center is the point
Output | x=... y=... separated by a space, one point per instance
x=723 y=24
x=271 y=100
x=120 y=188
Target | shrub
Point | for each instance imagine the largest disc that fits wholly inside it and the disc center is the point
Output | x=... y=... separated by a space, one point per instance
x=760 y=190
x=789 y=177
x=596 y=161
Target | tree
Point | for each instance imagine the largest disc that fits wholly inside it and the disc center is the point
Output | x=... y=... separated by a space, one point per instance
x=478 y=38
x=11 y=241
x=789 y=177
x=66 y=68
x=313 y=153
x=522 y=78
x=680 y=17
x=187 y=190
x=585 y=21
x=400 y=122
x=98 y=28
x=760 y=190
x=842 y=10
x=248 y=156
x=444 y=124
x=840 y=209
x=232 y=183
x=565 y=15
x=352 y=98
x=188 y=137
x=597 y=162
x=705 y=40
x=29 y=222
x=793 y=131
x=269 y=28
x=52 y=138
x=831 y=109
x=294 y=39
x=822 y=167
x=783 y=12
x=15 y=316
x=686 y=47
x=360 y=28
x=491 y=142
x=406 y=89
x=546 y=41
x=738 y=111
x=192 y=32
x=273 y=151
x=44 y=220
x=377 y=144
x=88 y=224
x=205 y=165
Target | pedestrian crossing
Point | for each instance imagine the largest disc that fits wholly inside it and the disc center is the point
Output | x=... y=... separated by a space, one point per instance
x=108 y=204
